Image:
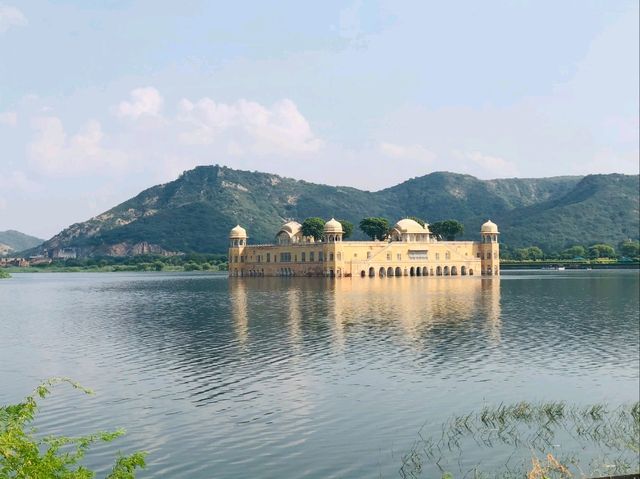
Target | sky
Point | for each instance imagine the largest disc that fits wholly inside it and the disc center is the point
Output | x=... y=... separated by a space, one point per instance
x=100 y=100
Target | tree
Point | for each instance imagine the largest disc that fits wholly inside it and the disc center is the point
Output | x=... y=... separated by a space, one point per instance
x=630 y=249
x=420 y=221
x=575 y=251
x=347 y=228
x=26 y=454
x=313 y=227
x=533 y=252
x=375 y=227
x=447 y=229
x=602 y=250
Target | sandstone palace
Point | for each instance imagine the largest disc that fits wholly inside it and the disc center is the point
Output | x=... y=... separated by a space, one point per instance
x=410 y=250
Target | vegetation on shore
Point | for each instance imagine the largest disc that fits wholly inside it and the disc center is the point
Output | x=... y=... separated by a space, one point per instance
x=26 y=454
x=4 y=274
x=558 y=433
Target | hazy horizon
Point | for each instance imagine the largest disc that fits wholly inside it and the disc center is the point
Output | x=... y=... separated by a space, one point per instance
x=100 y=102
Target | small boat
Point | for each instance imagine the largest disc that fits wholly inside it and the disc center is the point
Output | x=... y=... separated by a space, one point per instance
x=560 y=268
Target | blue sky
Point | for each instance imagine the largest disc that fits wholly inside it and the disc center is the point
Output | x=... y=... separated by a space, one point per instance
x=99 y=100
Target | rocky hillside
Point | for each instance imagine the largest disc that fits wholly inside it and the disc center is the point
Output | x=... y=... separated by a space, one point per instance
x=195 y=212
x=12 y=241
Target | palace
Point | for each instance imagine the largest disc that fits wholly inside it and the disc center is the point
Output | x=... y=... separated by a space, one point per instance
x=411 y=250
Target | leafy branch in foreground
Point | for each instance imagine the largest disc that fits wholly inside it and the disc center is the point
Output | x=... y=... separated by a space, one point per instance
x=24 y=456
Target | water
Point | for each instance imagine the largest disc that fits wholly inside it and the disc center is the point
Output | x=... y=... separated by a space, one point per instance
x=275 y=377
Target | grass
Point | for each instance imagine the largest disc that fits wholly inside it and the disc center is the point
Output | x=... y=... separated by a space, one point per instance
x=574 y=441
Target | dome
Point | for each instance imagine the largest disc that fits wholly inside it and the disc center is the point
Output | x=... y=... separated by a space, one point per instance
x=333 y=226
x=238 y=232
x=489 y=227
x=410 y=226
x=291 y=227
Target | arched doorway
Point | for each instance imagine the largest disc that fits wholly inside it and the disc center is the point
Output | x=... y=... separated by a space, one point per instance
x=418 y=271
x=445 y=271
x=454 y=271
x=425 y=271
x=439 y=271
x=389 y=271
x=470 y=271
x=398 y=271
x=362 y=274
x=372 y=272
x=382 y=273
x=412 y=271
x=463 y=270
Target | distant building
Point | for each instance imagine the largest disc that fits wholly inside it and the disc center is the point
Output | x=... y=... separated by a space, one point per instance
x=63 y=253
x=411 y=250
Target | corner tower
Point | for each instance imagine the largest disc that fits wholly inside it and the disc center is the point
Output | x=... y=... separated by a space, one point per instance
x=490 y=248
x=237 y=244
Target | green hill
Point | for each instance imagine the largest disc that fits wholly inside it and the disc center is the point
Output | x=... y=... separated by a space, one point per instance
x=12 y=241
x=195 y=212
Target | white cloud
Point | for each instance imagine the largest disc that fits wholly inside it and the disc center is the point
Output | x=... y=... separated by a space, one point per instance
x=9 y=118
x=492 y=165
x=144 y=101
x=55 y=154
x=247 y=127
x=407 y=152
x=11 y=17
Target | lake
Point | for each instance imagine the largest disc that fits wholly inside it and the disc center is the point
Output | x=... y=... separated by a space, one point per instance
x=314 y=378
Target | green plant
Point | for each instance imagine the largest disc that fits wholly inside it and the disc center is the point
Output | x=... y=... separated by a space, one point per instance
x=23 y=455
x=375 y=228
x=313 y=227
x=4 y=274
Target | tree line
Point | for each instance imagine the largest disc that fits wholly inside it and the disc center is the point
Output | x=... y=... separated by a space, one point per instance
x=626 y=250
x=378 y=228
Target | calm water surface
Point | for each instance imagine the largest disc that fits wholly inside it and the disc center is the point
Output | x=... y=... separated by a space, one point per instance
x=274 y=377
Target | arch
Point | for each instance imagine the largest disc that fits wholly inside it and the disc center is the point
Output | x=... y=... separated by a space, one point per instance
x=382 y=272
x=431 y=272
x=445 y=271
x=412 y=271
x=332 y=274
x=363 y=274
x=389 y=271
x=463 y=270
x=398 y=271
x=454 y=271
x=425 y=271
x=372 y=272
x=439 y=271
x=470 y=271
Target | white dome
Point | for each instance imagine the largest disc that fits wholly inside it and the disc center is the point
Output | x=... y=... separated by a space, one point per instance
x=238 y=232
x=408 y=225
x=489 y=227
x=291 y=228
x=333 y=226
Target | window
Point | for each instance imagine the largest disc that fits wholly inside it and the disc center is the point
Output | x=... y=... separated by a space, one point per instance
x=418 y=254
x=447 y=255
x=330 y=256
x=285 y=257
x=319 y=255
x=235 y=259
x=303 y=257
x=399 y=257
x=368 y=254
x=339 y=256
x=388 y=256
x=242 y=259
x=479 y=255
x=437 y=255
x=268 y=257
x=312 y=256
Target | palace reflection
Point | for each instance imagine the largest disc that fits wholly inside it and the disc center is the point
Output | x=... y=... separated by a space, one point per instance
x=411 y=307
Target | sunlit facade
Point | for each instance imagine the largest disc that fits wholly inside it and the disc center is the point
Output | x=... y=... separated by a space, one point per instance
x=411 y=250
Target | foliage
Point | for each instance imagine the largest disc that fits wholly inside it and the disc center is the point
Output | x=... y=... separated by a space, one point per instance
x=420 y=221
x=532 y=253
x=313 y=227
x=347 y=228
x=576 y=251
x=4 y=274
x=447 y=229
x=375 y=228
x=195 y=212
x=630 y=249
x=601 y=251
x=23 y=455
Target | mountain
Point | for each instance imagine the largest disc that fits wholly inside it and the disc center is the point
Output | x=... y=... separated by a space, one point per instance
x=195 y=212
x=12 y=241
